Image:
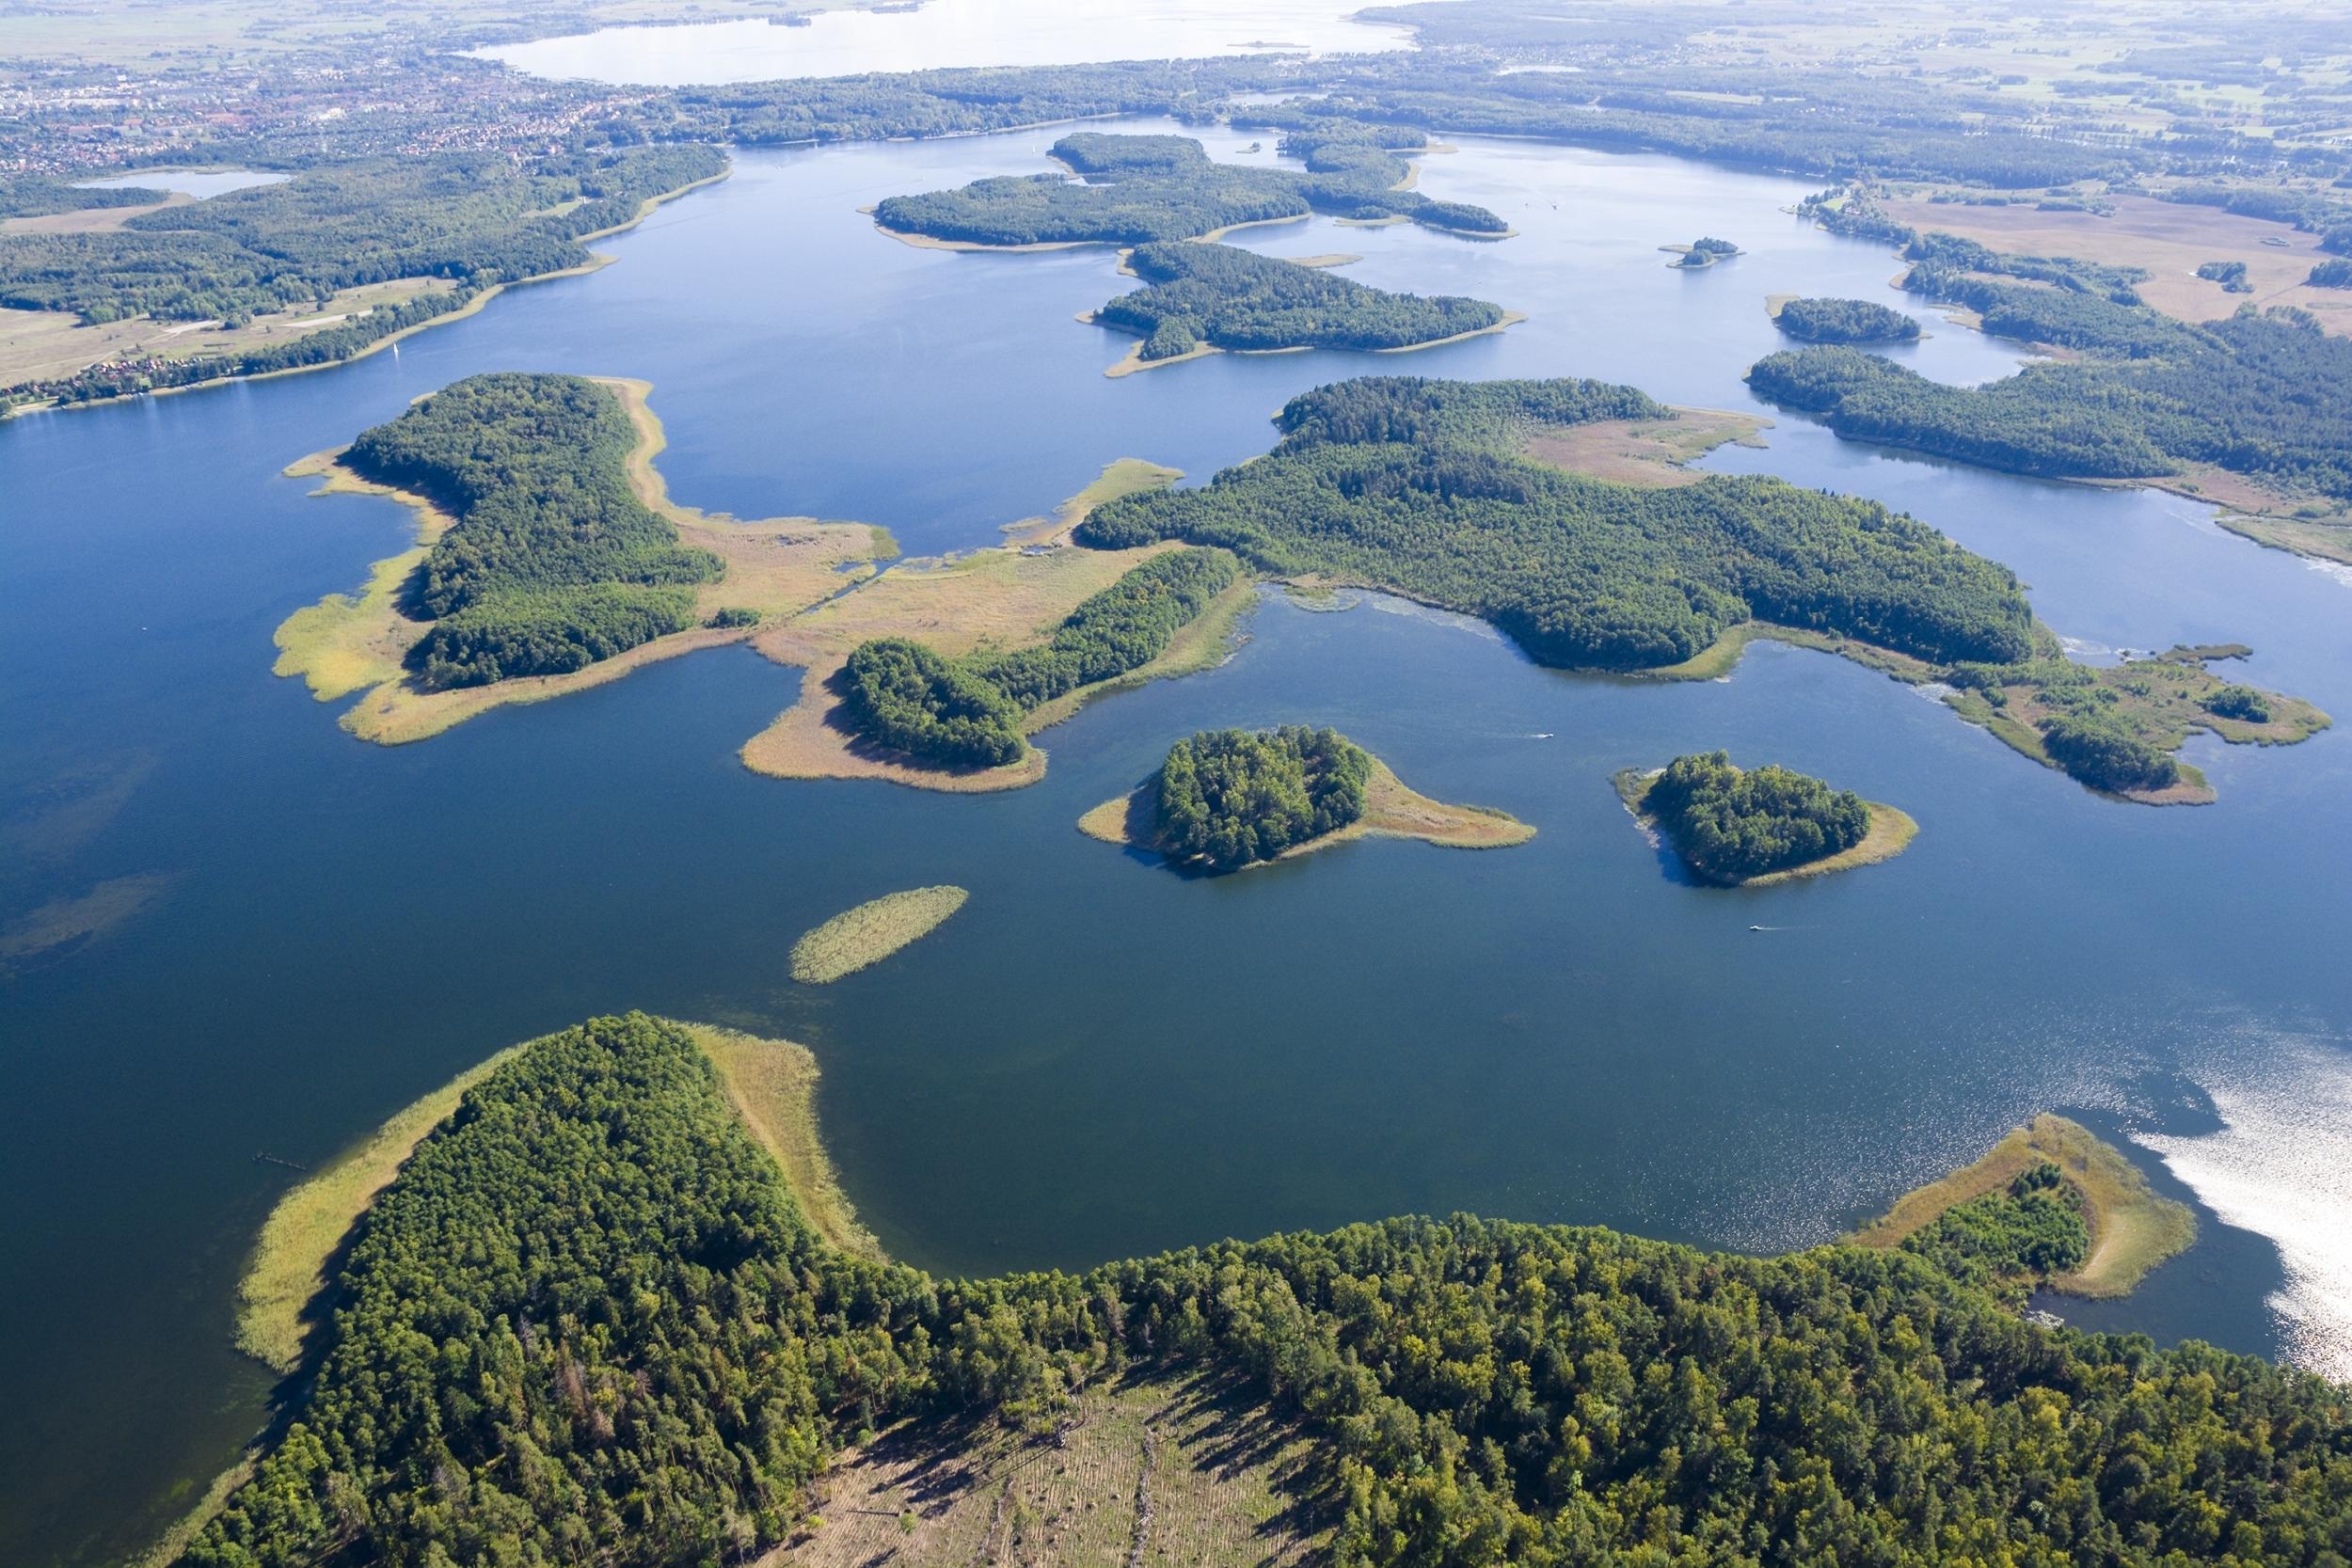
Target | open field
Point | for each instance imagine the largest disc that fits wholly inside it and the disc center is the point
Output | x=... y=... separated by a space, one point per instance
x=40 y=345
x=2168 y=239
x=777 y=566
x=1163 y=1472
x=2132 y=1229
x=1890 y=833
x=1006 y=598
x=1390 y=811
x=773 y=1086
x=1648 y=453
x=858 y=938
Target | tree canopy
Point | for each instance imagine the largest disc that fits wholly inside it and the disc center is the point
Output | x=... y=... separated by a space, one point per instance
x=588 y=1322
x=1845 y=321
x=1224 y=799
x=1415 y=486
x=1237 y=299
x=1729 y=824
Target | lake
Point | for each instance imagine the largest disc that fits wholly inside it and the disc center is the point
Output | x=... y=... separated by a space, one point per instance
x=945 y=33
x=1098 y=1058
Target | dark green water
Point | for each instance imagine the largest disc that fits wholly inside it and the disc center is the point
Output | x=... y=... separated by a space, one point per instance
x=1096 y=1057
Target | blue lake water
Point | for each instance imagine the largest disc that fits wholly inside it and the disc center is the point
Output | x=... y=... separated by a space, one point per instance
x=1096 y=1057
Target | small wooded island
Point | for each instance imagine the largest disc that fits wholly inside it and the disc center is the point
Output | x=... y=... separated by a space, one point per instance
x=1751 y=826
x=1844 y=320
x=1703 y=252
x=1205 y=297
x=1227 y=798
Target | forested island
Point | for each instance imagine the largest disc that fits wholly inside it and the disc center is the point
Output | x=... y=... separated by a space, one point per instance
x=1740 y=826
x=596 y=1273
x=1224 y=799
x=1218 y=296
x=1704 y=252
x=1422 y=487
x=1138 y=189
x=549 y=555
x=1844 y=320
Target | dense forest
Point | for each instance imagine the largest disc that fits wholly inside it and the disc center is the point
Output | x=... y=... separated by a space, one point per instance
x=969 y=712
x=2012 y=1239
x=1730 y=824
x=1237 y=299
x=554 y=563
x=1226 y=798
x=1168 y=188
x=1845 y=321
x=588 y=1322
x=475 y=220
x=1411 y=485
x=2266 y=394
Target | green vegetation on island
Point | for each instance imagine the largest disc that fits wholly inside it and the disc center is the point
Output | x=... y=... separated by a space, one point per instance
x=2230 y=274
x=1411 y=485
x=969 y=712
x=856 y=939
x=1224 y=799
x=1844 y=320
x=1425 y=488
x=1704 y=252
x=1733 y=825
x=2049 y=1205
x=1229 y=298
x=589 y=1321
x=554 y=561
x=1138 y=189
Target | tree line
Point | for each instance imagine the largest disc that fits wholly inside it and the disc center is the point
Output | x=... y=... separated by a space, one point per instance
x=553 y=563
x=1135 y=195
x=1845 y=321
x=1237 y=299
x=587 y=1321
x=970 y=712
x=1226 y=798
x=1580 y=572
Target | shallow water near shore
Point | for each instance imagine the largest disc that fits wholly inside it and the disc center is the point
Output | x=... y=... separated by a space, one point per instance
x=1096 y=1058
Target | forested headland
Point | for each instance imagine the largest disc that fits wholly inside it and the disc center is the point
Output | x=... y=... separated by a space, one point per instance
x=1417 y=487
x=1138 y=189
x=1733 y=825
x=1844 y=320
x=589 y=1321
x=970 y=712
x=553 y=563
x=1224 y=297
x=470 y=221
x=2264 y=393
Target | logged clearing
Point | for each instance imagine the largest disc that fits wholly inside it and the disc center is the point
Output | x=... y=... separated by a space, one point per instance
x=1648 y=453
x=773 y=1086
x=2169 y=239
x=2132 y=1228
x=1390 y=811
x=346 y=642
x=869 y=933
x=1164 y=1472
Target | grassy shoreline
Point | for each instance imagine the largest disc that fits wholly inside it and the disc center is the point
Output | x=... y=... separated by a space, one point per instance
x=2132 y=1228
x=1391 y=810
